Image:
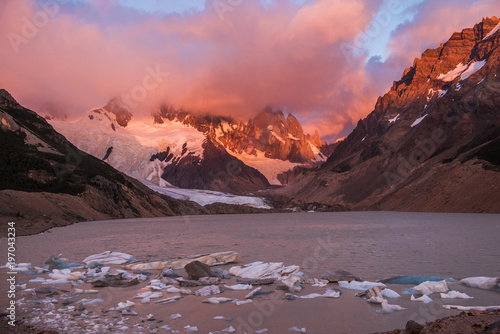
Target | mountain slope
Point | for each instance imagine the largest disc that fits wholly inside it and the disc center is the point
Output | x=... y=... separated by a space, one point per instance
x=176 y=148
x=432 y=142
x=46 y=181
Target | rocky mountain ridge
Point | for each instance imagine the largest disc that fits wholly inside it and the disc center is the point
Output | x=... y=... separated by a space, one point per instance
x=270 y=132
x=432 y=142
x=177 y=148
x=47 y=181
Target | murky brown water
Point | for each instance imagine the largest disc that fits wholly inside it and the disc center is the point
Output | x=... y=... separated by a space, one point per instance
x=372 y=245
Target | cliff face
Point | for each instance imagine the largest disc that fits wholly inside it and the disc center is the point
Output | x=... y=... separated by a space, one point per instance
x=269 y=133
x=432 y=142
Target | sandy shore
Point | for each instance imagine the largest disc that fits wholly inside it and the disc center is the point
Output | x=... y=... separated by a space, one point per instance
x=373 y=246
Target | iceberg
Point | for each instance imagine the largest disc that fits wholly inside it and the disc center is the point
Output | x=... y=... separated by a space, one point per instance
x=485 y=283
x=424 y=299
x=262 y=270
x=365 y=285
x=471 y=308
x=209 y=259
x=108 y=257
x=427 y=288
x=388 y=308
x=455 y=295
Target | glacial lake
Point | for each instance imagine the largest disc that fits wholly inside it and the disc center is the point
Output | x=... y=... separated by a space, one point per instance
x=371 y=245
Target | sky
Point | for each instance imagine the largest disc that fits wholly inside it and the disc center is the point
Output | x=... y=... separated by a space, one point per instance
x=324 y=61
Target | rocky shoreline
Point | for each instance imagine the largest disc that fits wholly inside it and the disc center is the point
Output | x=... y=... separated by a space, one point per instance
x=473 y=322
x=111 y=292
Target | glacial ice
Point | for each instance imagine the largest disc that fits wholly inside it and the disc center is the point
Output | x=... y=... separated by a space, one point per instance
x=238 y=287
x=471 y=308
x=209 y=259
x=455 y=295
x=427 y=288
x=261 y=270
x=424 y=299
x=389 y=308
x=485 y=283
x=365 y=285
x=108 y=257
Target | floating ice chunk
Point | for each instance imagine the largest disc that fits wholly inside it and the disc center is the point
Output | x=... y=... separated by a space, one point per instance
x=108 y=257
x=217 y=300
x=166 y=327
x=424 y=299
x=208 y=291
x=261 y=270
x=260 y=331
x=190 y=328
x=125 y=305
x=252 y=293
x=297 y=329
x=310 y=296
x=426 y=288
x=330 y=293
x=209 y=259
x=455 y=295
x=64 y=274
x=365 y=285
x=143 y=294
x=148 y=295
x=230 y=329
x=376 y=300
x=293 y=282
x=172 y=289
x=37 y=280
x=471 y=308
x=56 y=281
x=219 y=317
x=242 y=302
x=168 y=300
x=129 y=312
x=388 y=293
x=485 y=283
x=418 y=121
x=90 y=301
x=84 y=291
x=388 y=308
x=175 y=316
x=239 y=287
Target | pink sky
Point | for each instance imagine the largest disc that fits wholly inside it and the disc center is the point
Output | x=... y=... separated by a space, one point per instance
x=80 y=55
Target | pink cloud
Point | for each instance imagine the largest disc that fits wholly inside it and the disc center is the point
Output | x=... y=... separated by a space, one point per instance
x=280 y=56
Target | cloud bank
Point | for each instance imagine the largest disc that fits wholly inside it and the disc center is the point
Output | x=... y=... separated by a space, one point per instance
x=233 y=58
